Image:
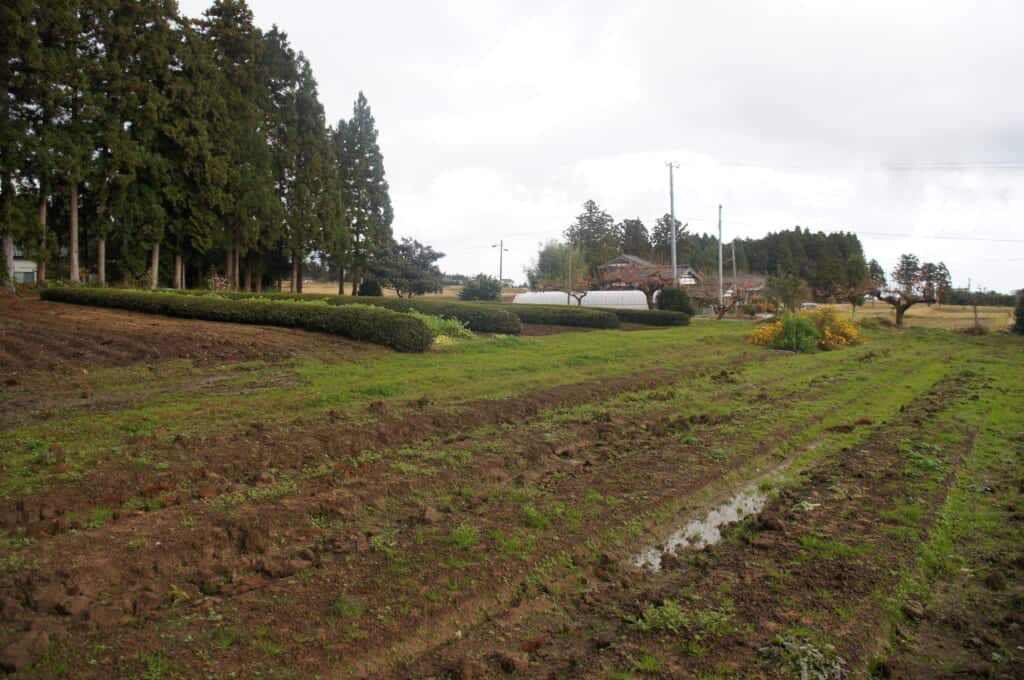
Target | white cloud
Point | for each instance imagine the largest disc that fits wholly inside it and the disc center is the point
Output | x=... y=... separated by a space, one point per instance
x=499 y=119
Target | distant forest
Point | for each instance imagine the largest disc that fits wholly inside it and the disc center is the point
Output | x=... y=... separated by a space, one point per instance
x=825 y=261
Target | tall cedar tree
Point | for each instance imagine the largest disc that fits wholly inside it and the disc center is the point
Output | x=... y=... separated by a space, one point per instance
x=661 y=241
x=593 y=233
x=16 y=37
x=128 y=178
x=312 y=198
x=252 y=204
x=198 y=165
x=364 y=191
x=633 y=238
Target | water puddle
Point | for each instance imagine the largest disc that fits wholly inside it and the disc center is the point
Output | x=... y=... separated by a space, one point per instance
x=708 y=531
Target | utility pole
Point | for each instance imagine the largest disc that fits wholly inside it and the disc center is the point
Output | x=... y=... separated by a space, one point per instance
x=721 y=288
x=500 y=245
x=672 y=214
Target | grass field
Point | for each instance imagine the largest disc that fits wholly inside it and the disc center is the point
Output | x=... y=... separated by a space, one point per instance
x=948 y=317
x=183 y=499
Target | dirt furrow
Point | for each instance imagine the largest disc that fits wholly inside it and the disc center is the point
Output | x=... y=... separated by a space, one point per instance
x=247 y=534
x=792 y=590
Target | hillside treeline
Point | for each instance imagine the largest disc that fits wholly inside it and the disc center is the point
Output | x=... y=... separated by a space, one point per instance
x=139 y=145
x=826 y=262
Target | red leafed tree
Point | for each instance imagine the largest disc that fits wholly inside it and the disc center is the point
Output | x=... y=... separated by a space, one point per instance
x=648 y=280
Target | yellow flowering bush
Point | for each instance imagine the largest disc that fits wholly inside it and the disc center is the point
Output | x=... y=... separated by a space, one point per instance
x=833 y=332
x=765 y=334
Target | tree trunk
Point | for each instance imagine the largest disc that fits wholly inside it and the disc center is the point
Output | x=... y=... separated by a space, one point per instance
x=300 y=274
x=341 y=280
x=259 y=283
x=228 y=265
x=295 y=275
x=179 y=272
x=73 y=225
x=154 y=267
x=41 y=275
x=356 y=276
x=9 y=287
x=101 y=260
x=236 y=268
x=900 y=311
x=248 y=275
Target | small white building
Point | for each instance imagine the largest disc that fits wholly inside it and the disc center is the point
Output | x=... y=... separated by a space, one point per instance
x=25 y=270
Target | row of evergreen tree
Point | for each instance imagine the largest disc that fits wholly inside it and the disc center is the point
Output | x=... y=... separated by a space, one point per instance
x=825 y=261
x=139 y=144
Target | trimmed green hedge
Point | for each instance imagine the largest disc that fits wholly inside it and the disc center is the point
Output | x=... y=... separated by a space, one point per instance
x=380 y=326
x=481 y=318
x=554 y=315
x=650 y=317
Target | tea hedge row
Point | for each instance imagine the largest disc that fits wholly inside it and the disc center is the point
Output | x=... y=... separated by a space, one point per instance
x=380 y=326
x=477 y=317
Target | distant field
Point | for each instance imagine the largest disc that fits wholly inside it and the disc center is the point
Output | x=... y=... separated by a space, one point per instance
x=949 y=317
x=449 y=293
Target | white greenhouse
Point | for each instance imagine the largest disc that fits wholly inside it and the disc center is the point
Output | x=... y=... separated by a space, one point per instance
x=611 y=299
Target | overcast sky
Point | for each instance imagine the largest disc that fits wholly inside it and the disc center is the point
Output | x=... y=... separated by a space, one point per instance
x=499 y=119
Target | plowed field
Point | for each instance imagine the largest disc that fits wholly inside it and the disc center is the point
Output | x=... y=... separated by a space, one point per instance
x=207 y=500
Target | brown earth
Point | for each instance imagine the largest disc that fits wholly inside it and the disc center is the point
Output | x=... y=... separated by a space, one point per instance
x=55 y=338
x=793 y=587
x=342 y=534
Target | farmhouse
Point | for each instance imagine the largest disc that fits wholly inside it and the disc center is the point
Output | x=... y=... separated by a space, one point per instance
x=610 y=273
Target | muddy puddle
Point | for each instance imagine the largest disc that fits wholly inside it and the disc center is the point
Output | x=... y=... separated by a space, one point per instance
x=699 y=533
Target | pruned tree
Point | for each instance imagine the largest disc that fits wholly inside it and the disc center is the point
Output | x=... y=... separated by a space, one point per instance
x=411 y=269
x=647 y=280
x=909 y=286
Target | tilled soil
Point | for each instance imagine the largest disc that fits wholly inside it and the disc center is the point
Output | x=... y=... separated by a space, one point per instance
x=49 y=337
x=494 y=537
x=790 y=592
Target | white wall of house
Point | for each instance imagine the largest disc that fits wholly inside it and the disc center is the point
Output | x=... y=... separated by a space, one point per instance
x=25 y=271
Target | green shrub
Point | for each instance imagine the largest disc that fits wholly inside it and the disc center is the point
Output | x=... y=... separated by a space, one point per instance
x=799 y=334
x=565 y=316
x=440 y=326
x=650 y=317
x=370 y=288
x=674 y=300
x=478 y=317
x=371 y=324
x=481 y=287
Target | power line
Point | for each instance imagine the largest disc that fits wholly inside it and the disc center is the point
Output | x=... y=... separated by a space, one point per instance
x=950 y=237
x=895 y=167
